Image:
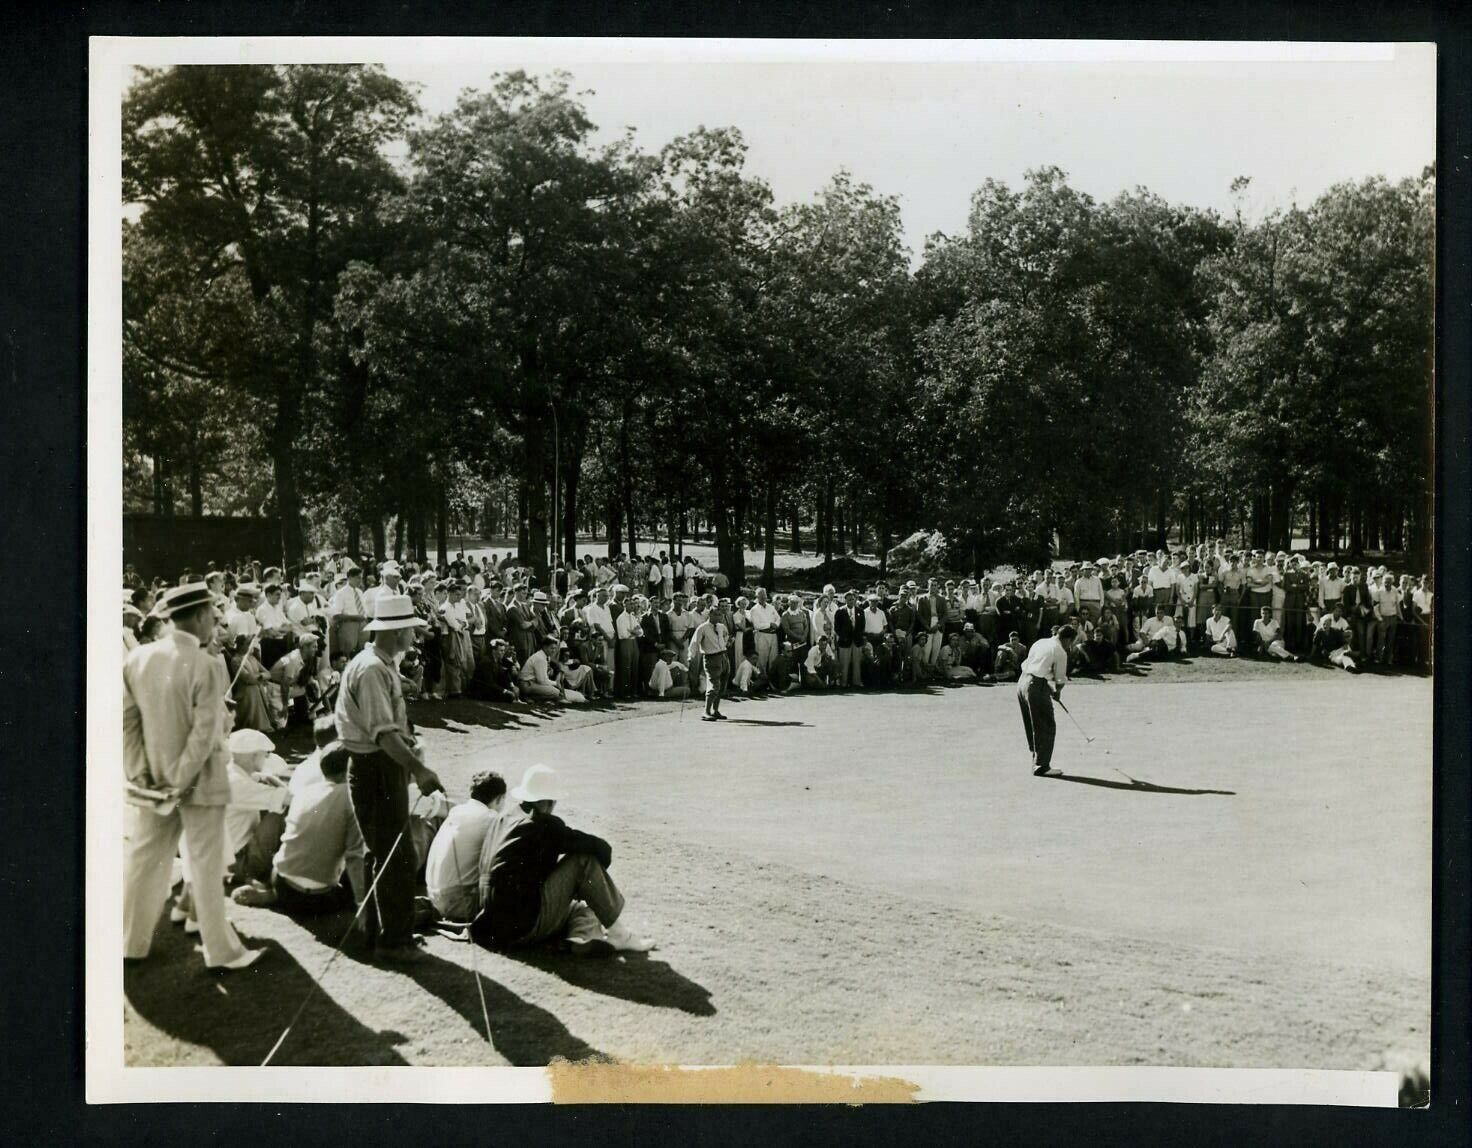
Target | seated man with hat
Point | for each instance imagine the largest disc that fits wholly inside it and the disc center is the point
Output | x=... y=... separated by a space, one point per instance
x=495 y=677
x=536 y=680
x=541 y=879
x=297 y=677
x=669 y=680
x=1007 y=666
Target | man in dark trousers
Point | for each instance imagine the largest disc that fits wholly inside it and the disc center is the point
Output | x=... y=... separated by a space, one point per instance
x=373 y=726
x=848 y=628
x=1044 y=674
x=541 y=879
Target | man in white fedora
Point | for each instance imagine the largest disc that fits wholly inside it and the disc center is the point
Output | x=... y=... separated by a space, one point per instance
x=390 y=579
x=175 y=764
x=373 y=726
x=541 y=879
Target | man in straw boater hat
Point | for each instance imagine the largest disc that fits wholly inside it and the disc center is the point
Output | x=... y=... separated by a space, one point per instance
x=540 y=879
x=175 y=762
x=373 y=726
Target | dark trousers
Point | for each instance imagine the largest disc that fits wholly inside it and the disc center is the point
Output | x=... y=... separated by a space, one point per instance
x=379 y=788
x=1036 y=700
x=296 y=903
x=627 y=667
x=716 y=668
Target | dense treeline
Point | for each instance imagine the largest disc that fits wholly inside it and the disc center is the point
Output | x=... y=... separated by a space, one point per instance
x=341 y=314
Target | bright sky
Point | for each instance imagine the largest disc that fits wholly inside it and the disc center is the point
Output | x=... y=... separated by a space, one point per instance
x=930 y=120
x=932 y=131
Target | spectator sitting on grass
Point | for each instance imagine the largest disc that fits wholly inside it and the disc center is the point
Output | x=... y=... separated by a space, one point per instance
x=1159 y=638
x=950 y=661
x=1221 y=639
x=1010 y=655
x=819 y=667
x=1267 y=638
x=1332 y=632
x=669 y=679
x=541 y=880
x=318 y=866
x=452 y=872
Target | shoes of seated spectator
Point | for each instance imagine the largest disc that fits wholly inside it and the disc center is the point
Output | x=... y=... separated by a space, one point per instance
x=191 y=926
x=411 y=952
x=244 y=961
x=590 y=947
x=625 y=940
x=254 y=895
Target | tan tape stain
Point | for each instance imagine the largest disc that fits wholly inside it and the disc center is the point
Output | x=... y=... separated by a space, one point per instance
x=600 y=1082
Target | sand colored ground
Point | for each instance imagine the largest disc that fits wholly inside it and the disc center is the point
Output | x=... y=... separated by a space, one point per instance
x=1235 y=872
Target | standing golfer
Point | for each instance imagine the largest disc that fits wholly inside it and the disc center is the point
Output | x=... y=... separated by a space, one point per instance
x=373 y=726
x=1044 y=674
x=709 y=643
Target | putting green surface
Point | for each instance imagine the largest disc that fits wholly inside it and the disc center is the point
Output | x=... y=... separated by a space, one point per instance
x=1235 y=871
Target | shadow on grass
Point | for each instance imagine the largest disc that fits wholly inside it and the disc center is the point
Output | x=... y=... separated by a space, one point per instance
x=759 y=721
x=1133 y=785
x=484 y=715
x=634 y=977
x=239 y=1016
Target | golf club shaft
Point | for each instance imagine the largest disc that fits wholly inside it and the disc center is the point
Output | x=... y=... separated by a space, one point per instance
x=1071 y=718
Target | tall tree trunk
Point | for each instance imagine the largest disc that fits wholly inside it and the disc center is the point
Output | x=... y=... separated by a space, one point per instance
x=442 y=522
x=196 y=490
x=820 y=523
x=355 y=538
x=399 y=535
x=671 y=521
x=796 y=528
x=523 y=535
x=615 y=525
x=570 y=515
x=380 y=537
x=769 y=558
x=842 y=544
x=1160 y=523
x=883 y=539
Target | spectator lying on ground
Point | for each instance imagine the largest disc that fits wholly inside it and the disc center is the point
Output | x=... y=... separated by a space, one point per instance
x=541 y=880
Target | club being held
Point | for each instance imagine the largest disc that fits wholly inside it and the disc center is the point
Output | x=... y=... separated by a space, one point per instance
x=1073 y=719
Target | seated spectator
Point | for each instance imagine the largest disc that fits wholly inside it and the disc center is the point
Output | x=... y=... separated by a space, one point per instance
x=1332 y=632
x=259 y=795
x=1159 y=638
x=295 y=675
x=669 y=679
x=976 y=651
x=495 y=677
x=1007 y=666
x=452 y=872
x=575 y=675
x=1346 y=655
x=536 y=680
x=949 y=663
x=318 y=866
x=819 y=667
x=1221 y=639
x=1098 y=642
x=1267 y=637
x=781 y=676
x=541 y=879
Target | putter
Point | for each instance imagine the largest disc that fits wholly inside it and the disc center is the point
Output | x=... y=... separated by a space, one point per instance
x=1073 y=719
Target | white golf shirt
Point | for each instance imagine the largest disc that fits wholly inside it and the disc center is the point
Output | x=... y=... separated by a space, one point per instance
x=1047 y=659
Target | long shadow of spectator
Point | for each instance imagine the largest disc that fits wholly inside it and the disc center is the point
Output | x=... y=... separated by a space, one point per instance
x=1134 y=785
x=470 y=712
x=523 y=1033
x=760 y=721
x=633 y=977
x=240 y=1016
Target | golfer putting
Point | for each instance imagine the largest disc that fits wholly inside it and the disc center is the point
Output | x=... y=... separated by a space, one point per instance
x=1044 y=674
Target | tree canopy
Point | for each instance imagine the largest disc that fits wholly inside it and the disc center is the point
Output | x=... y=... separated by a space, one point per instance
x=345 y=315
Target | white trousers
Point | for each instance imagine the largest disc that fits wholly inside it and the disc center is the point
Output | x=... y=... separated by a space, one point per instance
x=934 y=639
x=766 y=651
x=149 y=845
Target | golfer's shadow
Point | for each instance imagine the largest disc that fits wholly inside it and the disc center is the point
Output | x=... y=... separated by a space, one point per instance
x=633 y=977
x=1134 y=785
x=758 y=721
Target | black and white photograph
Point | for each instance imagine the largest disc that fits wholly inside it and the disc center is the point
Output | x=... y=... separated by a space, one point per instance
x=711 y=569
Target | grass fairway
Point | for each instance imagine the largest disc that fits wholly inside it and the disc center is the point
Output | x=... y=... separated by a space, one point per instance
x=1236 y=872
